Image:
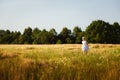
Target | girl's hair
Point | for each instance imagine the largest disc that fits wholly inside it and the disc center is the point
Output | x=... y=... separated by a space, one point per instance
x=83 y=38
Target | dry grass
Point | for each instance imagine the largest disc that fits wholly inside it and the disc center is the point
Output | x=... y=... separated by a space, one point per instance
x=59 y=62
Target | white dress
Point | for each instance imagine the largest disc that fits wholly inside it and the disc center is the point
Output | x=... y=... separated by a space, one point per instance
x=85 y=46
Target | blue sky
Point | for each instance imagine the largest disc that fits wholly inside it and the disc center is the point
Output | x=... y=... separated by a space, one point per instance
x=16 y=15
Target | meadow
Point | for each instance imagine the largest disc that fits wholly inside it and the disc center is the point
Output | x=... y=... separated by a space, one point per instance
x=59 y=62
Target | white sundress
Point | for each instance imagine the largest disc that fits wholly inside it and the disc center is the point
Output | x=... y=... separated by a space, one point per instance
x=84 y=46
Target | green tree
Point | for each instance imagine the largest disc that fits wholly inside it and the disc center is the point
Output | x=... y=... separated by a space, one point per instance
x=100 y=32
x=69 y=40
x=16 y=37
x=53 y=35
x=35 y=34
x=44 y=37
x=53 y=31
x=2 y=33
x=7 y=37
x=64 y=34
x=77 y=33
x=116 y=27
x=59 y=42
x=26 y=38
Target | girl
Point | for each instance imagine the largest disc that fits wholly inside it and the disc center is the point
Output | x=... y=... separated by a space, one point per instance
x=84 y=45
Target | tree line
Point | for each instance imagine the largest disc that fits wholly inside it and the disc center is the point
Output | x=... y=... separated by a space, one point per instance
x=98 y=31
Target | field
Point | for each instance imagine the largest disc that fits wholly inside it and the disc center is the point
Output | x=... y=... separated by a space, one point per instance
x=59 y=62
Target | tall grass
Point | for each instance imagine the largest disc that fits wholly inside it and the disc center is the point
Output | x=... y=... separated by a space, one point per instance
x=59 y=62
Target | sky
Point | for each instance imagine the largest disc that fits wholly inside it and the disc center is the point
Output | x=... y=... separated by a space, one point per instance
x=16 y=15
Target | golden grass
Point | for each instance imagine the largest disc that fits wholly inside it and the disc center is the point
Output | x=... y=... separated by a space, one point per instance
x=11 y=51
x=15 y=50
x=59 y=62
